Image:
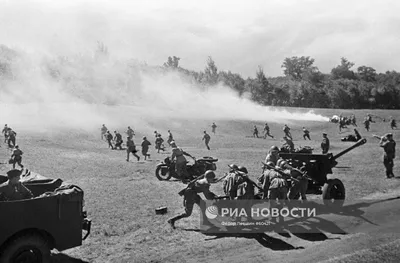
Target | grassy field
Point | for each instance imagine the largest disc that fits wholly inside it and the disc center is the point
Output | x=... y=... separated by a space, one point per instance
x=121 y=196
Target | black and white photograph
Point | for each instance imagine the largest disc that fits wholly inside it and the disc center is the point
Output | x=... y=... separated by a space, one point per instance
x=230 y=131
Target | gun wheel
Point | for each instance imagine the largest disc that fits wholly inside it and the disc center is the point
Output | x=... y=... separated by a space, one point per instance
x=333 y=193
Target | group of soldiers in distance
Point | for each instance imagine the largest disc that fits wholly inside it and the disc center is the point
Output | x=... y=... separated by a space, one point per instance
x=16 y=153
x=116 y=141
x=344 y=121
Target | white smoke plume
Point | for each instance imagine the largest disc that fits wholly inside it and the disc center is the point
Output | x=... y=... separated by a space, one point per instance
x=73 y=87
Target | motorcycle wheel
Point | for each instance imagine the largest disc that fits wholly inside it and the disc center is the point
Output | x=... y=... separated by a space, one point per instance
x=162 y=177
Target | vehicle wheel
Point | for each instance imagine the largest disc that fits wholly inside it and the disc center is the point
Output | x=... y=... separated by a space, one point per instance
x=333 y=193
x=29 y=248
x=163 y=177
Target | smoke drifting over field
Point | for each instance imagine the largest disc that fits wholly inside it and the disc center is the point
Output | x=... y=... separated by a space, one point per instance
x=44 y=88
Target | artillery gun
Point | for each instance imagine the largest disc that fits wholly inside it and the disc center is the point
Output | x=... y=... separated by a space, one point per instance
x=318 y=166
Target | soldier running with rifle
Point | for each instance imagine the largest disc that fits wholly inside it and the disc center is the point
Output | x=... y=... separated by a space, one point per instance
x=266 y=131
x=191 y=194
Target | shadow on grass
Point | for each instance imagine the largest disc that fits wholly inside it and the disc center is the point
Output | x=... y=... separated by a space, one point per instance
x=62 y=258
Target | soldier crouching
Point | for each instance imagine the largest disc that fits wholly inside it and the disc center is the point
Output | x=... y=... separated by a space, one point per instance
x=191 y=197
x=275 y=185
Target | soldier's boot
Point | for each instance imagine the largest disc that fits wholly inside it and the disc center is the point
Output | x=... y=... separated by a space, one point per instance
x=172 y=221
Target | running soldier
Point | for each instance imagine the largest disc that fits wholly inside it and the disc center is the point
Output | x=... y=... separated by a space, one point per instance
x=5 y=131
x=180 y=164
x=213 y=127
x=130 y=132
x=11 y=138
x=353 y=120
x=286 y=130
x=325 y=143
x=306 y=134
x=159 y=144
x=274 y=186
x=170 y=138
x=392 y=123
x=206 y=139
x=255 y=131
x=266 y=131
x=145 y=147
x=16 y=157
x=273 y=155
x=389 y=146
x=131 y=148
x=103 y=131
x=109 y=138
x=118 y=140
x=191 y=195
x=367 y=123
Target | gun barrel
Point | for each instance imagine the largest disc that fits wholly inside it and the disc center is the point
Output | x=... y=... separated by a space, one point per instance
x=359 y=143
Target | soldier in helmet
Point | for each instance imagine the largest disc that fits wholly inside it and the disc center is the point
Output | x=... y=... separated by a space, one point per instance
x=109 y=138
x=159 y=144
x=255 y=131
x=230 y=183
x=325 y=143
x=16 y=157
x=245 y=188
x=11 y=137
x=299 y=183
x=170 y=138
x=180 y=164
x=273 y=155
x=145 y=147
x=118 y=140
x=131 y=148
x=286 y=130
x=266 y=131
x=389 y=147
x=213 y=126
x=206 y=139
x=191 y=195
x=275 y=184
x=392 y=123
x=13 y=189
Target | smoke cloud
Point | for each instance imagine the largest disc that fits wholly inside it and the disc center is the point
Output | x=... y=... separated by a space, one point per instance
x=47 y=85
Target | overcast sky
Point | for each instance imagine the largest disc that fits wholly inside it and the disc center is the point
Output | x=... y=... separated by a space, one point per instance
x=238 y=35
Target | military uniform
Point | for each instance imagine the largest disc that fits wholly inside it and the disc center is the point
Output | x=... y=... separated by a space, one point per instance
x=11 y=138
x=266 y=130
x=255 y=132
x=289 y=144
x=130 y=132
x=5 y=131
x=131 y=148
x=366 y=124
x=230 y=184
x=206 y=139
x=275 y=185
x=299 y=185
x=389 y=146
x=325 y=144
x=286 y=130
x=109 y=138
x=191 y=197
x=306 y=134
x=16 y=157
x=145 y=148
x=14 y=191
x=180 y=164
x=159 y=142
x=118 y=140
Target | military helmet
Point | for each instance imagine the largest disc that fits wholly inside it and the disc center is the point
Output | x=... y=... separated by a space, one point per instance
x=270 y=164
x=210 y=176
x=281 y=163
x=274 y=148
x=13 y=173
x=233 y=166
x=243 y=169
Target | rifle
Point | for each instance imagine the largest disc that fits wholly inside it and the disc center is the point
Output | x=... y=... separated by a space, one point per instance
x=191 y=183
x=377 y=136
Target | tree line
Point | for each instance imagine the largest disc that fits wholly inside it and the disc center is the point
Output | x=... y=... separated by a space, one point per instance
x=303 y=85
